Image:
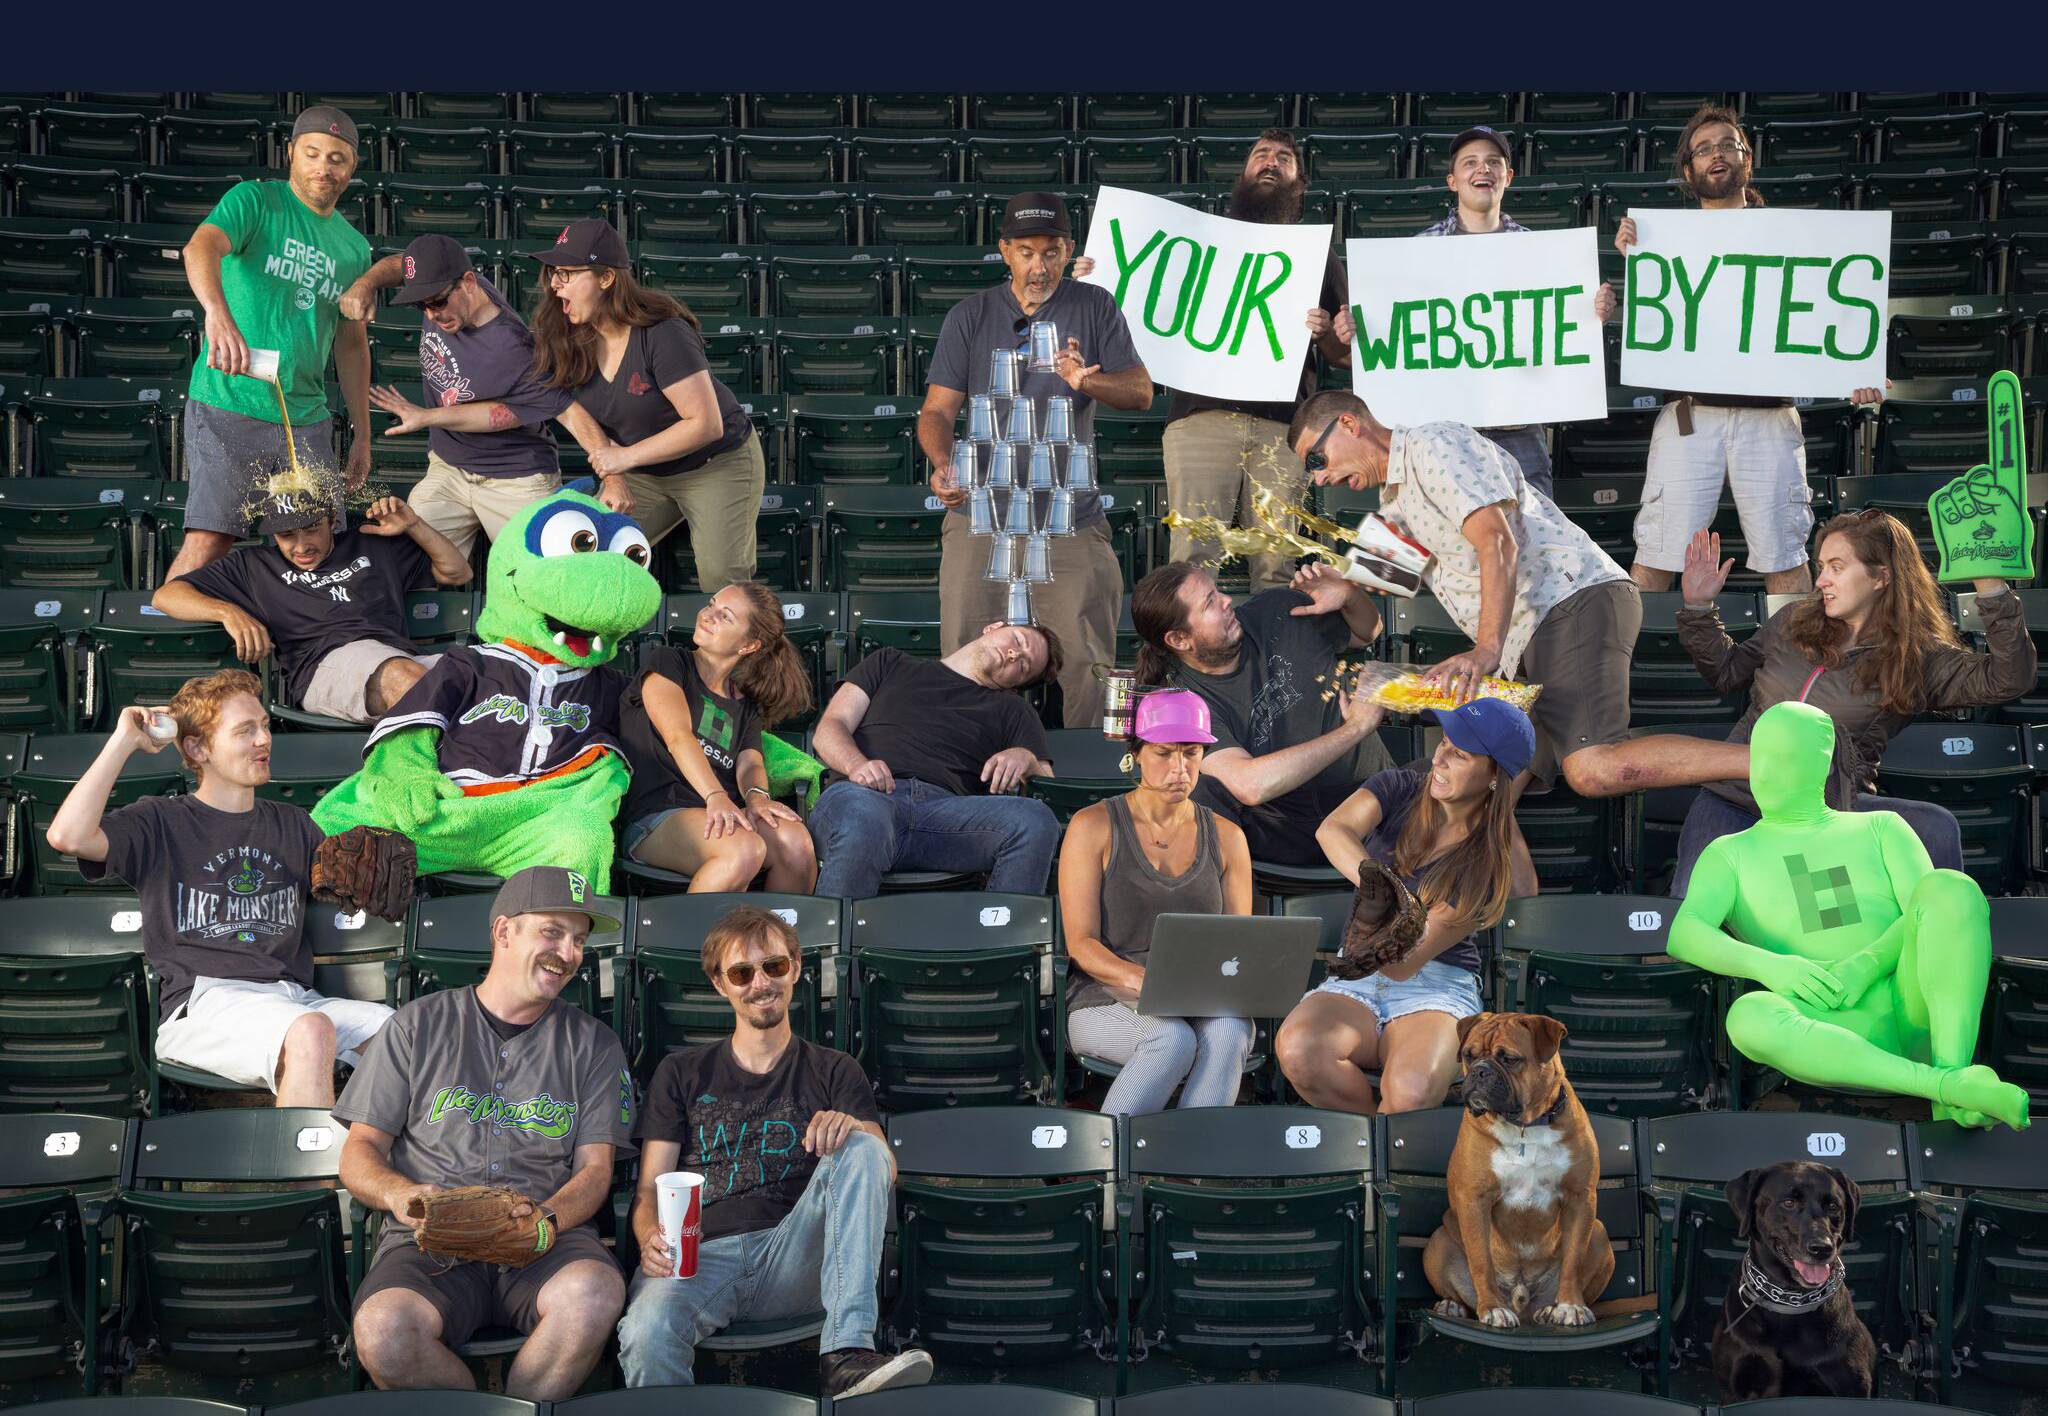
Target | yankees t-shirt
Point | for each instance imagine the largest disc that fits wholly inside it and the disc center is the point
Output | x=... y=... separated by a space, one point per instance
x=469 y=1107
x=490 y=363
x=929 y=722
x=744 y=1131
x=1398 y=790
x=496 y=704
x=1281 y=694
x=358 y=592
x=631 y=405
x=725 y=727
x=223 y=893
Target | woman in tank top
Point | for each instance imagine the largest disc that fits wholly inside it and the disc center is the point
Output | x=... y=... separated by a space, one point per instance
x=1125 y=862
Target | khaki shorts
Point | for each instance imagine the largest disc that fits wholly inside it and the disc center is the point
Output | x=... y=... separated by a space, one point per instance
x=458 y=504
x=340 y=684
x=1580 y=654
x=470 y=1295
x=235 y=1028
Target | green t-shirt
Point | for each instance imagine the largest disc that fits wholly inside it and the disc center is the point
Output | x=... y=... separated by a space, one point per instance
x=283 y=279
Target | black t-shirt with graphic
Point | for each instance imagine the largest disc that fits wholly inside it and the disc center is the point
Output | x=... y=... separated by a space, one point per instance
x=358 y=592
x=1398 y=789
x=223 y=893
x=744 y=1132
x=631 y=405
x=490 y=363
x=932 y=723
x=725 y=726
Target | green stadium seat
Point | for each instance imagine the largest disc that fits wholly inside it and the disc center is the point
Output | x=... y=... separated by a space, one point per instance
x=811 y=111
x=786 y=157
x=1932 y=137
x=395 y=348
x=142 y=655
x=1331 y=111
x=1982 y=1216
x=1672 y=107
x=1691 y=1158
x=358 y=105
x=45 y=258
x=677 y=212
x=147 y=263
x=1131 y=160
x=1918 y=193
x=1249 y=1244
x=1240 y=110
x=2023 y=132
x=133 y=339
x=1980 y=772
x=171 y=196
x=923 y=347
x=469 y=107
x=584 y=108
x=891 y=619
x=936 y=280
x=853 y=439
x=1341 y=159
x=1019 y=161
x=76 y=1034
x=894 y=158
x=64 y=189
x=582 y=153
x=240 y=102
x=1602 y=505
x=440 y=619
x=1554 y=1401
x=1870 y=101
x=1394 y=209
x=712 y=1400
x=101 y=427
x=1944 y=337
x=537 y=208
x=1412 y=1199
x=1087 y=768
x=1577 y=151
x=1561 y=107
x=831 y=285
x=1642 y=1029
x=675 y=1005
x=451 y=948
x=1616 y=447
x=812 y=218
x=687 y=110
x=1930 y=428
x=458 y=147
x=1005 y=1227
x=737 y=350
x=939 y=218
x=1443 y=110
x=69 y=533
x=1757 y=107
x=29 y=336
x=1616 y=197
x=952 y=1007
x=1218 y=157
x=1572 y=839
x=1663 y=685
x=56 y=1180
x=1128 y=444
x=882 y=538
x=909 y=112
x=838 y=356
x=1018 y=112
x=39 y=635
x=17 y=127
x=661 y=156
x=714 y=282
x=2017 y=999
x=1803 y=142
x=194 y=1256
x=1940 y=258
x=465 y=208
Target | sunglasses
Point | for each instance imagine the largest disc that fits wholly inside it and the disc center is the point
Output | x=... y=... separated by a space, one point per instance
x=740 y=975
x=1314 y=460
x=441 y=301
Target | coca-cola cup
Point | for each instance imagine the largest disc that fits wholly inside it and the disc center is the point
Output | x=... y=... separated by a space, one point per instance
x=679 y=1205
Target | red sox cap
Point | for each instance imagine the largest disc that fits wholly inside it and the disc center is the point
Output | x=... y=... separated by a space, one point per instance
x=591 y=241
x=326 y=118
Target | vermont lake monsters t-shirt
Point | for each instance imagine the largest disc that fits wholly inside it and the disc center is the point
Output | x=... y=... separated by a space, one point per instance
x=631 y=405
x=744 y=1132
x=223 y=893
x=941 y=727
x=358 y=592
x=283 y=278
x=725 y=727
x=1398 y=789
x=490 y=363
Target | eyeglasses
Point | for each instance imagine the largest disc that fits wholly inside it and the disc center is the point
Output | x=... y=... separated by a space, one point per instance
x=440 y=301
x=1314 y=461
x=562 y=275
x=1727 y=147
x=740 y=975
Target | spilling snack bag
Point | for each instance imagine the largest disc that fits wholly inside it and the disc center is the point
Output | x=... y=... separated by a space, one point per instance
x=1402 y=690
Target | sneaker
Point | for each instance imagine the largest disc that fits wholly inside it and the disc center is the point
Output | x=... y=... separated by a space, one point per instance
x=855 y=1371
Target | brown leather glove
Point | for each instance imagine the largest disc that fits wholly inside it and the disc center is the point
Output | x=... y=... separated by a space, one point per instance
x=1386 y=923
x=477 y=1223
x=367 y=868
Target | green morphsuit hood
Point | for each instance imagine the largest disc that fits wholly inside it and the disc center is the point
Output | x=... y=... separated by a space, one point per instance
x=1790 y=750
x=568 y=577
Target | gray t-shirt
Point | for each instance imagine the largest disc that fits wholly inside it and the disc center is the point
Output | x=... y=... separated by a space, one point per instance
x=469 y=1107
x=223 y=893
x=490 y=363
x=981 y=324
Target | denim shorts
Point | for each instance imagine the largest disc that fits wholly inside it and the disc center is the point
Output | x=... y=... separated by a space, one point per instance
x=641 y=827
x=1437 y=987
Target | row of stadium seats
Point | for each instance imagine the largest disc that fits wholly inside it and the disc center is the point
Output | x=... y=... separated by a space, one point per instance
x=1221 y=1240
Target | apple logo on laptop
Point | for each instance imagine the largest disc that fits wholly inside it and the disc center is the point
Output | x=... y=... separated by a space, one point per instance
x=1230 y=968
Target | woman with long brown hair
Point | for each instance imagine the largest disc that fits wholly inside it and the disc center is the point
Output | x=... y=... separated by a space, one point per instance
x=675 y=444
x=1450 y=834
x=1873 y=646
x=699 y=804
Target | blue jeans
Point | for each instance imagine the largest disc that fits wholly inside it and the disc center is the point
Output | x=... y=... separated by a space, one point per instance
x=1527 y=446
x=1712 y=817
x=863 y=834
x=825 y=1253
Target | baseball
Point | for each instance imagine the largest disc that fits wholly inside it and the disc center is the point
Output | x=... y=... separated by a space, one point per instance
x=163 y=727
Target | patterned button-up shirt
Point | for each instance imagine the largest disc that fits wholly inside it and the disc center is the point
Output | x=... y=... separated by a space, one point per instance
x=1440 y=473
x=1449 y=226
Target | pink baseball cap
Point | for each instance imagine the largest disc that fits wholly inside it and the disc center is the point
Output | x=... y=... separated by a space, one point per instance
x=1173 y=715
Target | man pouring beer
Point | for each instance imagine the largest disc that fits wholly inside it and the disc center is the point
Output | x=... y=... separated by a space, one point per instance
x=811 y=1160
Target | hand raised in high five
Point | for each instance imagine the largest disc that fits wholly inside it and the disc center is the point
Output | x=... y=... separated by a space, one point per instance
x=1705 y=571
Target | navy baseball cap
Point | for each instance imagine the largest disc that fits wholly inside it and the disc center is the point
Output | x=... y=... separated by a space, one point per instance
x=432 y=264
x=1482 y=134
x=1492 y=728
x=592 y=241
x=1035 y=214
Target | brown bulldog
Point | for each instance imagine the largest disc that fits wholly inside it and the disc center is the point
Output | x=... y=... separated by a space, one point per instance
x=1522 y=1239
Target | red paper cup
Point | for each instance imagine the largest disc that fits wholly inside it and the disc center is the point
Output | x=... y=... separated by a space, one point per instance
x=679 y=1205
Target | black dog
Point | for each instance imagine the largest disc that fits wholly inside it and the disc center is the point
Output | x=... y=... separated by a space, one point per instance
x=1788 y=1327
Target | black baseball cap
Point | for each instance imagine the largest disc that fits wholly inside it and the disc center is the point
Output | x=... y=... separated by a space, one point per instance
x=591 y=241
x=432 y=264
x=326 y=118
x=549 y=889
x=292 y=511
x=1482 y=134
x=1036 y=214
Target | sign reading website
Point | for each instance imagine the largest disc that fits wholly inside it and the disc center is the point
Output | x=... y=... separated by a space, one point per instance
x=1786 y=304
x=1487 y=330
x=1215 y=306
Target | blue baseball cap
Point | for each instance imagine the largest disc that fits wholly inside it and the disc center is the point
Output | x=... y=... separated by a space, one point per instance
x=1492 y=728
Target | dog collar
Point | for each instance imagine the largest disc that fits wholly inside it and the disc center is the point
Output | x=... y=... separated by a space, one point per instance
x=1761 y=1292
x=1556 y=1110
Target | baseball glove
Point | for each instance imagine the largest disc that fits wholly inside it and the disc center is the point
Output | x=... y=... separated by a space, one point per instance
x=1386 y=922
x=476 y=1222
x=367 y=868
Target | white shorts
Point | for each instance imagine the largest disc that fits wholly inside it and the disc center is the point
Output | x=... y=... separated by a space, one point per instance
x=236 y=1028
x=1759 y=452
x=340 y=684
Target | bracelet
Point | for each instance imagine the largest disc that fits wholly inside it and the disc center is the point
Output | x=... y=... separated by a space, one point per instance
x=719 y=792
x=762 y=790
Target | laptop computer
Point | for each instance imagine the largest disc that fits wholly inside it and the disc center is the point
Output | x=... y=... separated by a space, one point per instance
x=1227 y=966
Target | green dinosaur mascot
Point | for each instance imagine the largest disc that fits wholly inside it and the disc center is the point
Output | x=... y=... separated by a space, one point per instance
x=506 y=754
x=1873 y=963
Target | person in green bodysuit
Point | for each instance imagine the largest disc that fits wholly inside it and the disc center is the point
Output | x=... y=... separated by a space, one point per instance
x=1873 y=963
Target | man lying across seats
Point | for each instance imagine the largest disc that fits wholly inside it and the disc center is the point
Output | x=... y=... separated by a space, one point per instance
x=224 y=878
x=331 y=603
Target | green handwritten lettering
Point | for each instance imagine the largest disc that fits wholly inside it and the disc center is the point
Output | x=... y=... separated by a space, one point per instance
x=1691 y=296
x=1641 y=300
x=1256 y=301
x=1836 y=293
x=1560 y=327
x=1125 y=269
x=1788 y=306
